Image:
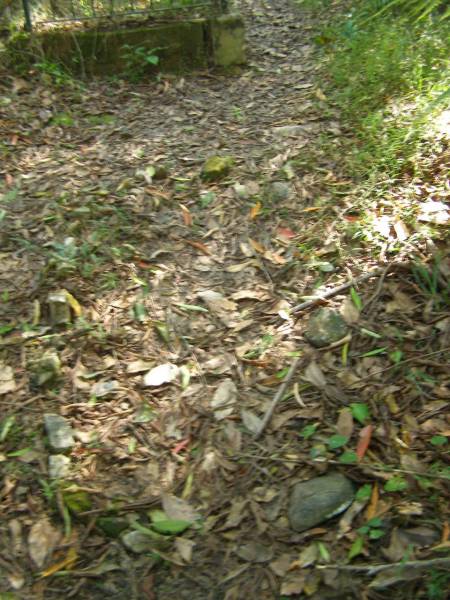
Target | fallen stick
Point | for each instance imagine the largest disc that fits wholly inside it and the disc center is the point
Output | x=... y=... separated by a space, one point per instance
x=374 y=569
x=278 y=396
x=337 y=290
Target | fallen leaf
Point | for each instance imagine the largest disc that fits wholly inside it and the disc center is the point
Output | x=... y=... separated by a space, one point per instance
x=42 y=539
x=344 y=425
x=184 y=548
x=7 y=382
x=257 y=246
x=199 y=246
x=251 y=421
x=314 y=374
x=187 y=216
x=255 y=210
x=165 y=373
x=365 y=436
x=216 y=301
x=178 y=509
x=255 y=552
x=372 y=509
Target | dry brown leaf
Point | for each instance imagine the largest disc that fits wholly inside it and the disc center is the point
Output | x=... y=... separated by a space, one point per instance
x=42 y=539
x=344 y=425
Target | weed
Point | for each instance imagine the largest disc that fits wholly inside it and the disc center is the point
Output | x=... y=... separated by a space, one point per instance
x=56 y=74
x=139 y=61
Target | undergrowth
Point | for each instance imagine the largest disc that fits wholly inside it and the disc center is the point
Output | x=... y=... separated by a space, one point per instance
x=388 y=75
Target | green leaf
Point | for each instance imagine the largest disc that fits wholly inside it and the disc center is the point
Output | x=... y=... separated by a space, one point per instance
x=337 y=441
x=360 y=412
x=171 y=526
x=308 y=431
x=364 y=493
x=356 y=299
x=396 y=484
x=436 y=440
x=357 y=548
x=376 y=534
x=370 y=333
x=6 y=427
x=282 y=374
x=157 y=515
x=374 y=352
x=396 y=356
x=323 y=551
x=162 y=330
x=20 y=452
x=348 y=457
x=139 y=312
x=344 y=354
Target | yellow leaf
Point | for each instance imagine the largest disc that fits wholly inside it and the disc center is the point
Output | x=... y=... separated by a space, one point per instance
x=66 y=563
x=73 y=303
x=256 y=209
x=256 y=246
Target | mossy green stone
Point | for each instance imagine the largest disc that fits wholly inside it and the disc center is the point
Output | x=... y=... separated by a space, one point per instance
x=325 y=327
x=77 y=501
x=216 y=167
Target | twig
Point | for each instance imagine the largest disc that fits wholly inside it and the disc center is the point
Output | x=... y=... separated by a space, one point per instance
x=337 y=290
x=377 y=468
x=374 y=569
x=399 y=364
x=278 y=396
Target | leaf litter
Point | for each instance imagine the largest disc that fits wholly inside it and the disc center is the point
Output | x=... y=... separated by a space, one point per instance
x=175 y=327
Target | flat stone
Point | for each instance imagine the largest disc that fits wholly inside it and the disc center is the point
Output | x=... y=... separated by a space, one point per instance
x=59 y=432
x=325 y=327
x=58 y=466
x=319 y=499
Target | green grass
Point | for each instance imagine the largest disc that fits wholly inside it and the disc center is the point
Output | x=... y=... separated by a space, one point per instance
x=389 y=77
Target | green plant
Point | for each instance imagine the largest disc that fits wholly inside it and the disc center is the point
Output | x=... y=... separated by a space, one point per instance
x=437 y=585
x=416 y=9
x=56 y=73
x=139 y=60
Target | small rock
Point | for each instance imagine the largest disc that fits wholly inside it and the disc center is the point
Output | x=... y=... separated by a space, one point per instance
x=289 y=131
x=59 y=308
x=325 y=327
x=59 y=432
x=319 y=499
x=277 y=191
x=216 y=167
x=161 y=172
x=47 y=368
x=58 y=466
x=241 y=191
x=112 y=526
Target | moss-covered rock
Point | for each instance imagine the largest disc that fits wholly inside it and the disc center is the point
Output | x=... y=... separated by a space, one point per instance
x=216 y=167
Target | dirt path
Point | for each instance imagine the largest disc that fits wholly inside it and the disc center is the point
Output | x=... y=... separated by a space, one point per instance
x=146 y=257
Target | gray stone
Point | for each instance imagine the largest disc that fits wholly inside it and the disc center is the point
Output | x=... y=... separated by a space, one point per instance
x=59 y=432
x=58 y=466
x=325 y=327
x=319 y=499
x=59 y=308
x=241 y=191
x=277 y=191
x=47 y=368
